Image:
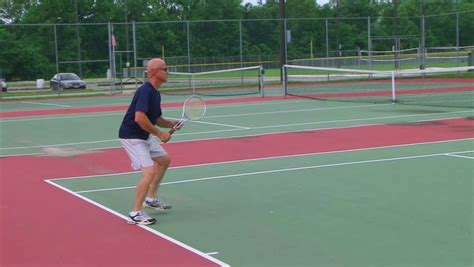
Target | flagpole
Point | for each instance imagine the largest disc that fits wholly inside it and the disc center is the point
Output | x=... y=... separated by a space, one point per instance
x=112 y=44
x=111 y=56
x=114 y=75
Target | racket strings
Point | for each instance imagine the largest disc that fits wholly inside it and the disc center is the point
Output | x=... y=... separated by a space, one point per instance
x=194 y=109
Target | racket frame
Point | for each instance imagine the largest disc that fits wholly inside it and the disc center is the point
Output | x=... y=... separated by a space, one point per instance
x=184 y=117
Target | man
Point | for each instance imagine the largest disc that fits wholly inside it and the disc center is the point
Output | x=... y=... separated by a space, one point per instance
x=137 y=134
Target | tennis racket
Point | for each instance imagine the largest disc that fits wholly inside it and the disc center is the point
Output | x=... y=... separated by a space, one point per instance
x=194 y=109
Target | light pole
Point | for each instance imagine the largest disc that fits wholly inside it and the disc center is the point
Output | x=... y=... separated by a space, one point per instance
x=78 y=39
x=126 y=35
x=338 y=41
x=397 y=34
x=282 y=38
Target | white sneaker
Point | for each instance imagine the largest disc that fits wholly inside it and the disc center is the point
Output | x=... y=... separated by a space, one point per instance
x=157 y=205
x=141 y=218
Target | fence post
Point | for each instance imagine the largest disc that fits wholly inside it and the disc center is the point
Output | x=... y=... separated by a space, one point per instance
x=327 y=43
x=282 y=36
x=369 y=41
x=111 y=58
x=422 y=43
x=457 y=35
x=56 y=48
x=189 y=45
x=240 y=43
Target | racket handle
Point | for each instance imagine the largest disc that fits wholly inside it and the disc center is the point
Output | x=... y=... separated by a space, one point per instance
x=172 y=130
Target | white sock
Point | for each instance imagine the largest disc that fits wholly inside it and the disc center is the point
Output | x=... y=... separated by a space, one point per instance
x=150 y=199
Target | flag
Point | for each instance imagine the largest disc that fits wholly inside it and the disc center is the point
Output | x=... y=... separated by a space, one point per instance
x=114 y=43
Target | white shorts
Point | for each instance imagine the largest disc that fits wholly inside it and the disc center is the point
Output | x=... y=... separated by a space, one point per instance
x=141 y=152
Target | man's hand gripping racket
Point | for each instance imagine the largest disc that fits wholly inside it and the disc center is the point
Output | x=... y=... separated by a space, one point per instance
x=194 y=109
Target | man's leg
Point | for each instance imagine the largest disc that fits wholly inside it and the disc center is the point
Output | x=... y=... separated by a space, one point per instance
x=139 y=154
x=148 y=175
x=161 y=165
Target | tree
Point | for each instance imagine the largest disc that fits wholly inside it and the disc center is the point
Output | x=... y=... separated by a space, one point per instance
x=23 y=60
x=215 y=27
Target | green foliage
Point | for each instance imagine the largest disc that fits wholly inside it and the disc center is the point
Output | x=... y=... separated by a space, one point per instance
x=23 y=59
x=28 y=52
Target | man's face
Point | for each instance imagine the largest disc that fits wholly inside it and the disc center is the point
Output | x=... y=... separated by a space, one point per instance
x=162 y=73
x=159 y=71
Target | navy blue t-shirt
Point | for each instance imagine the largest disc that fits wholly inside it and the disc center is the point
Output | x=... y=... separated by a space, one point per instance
x=147 y=100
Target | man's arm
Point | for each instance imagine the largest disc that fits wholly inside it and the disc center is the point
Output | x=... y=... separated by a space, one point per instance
x=166 y=123
x=145 y=124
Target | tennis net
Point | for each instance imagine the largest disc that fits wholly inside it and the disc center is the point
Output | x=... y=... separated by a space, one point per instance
x=227 y=82
x=451 y=87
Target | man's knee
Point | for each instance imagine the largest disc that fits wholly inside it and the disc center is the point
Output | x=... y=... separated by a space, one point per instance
x=149 y=173
x=163 y=160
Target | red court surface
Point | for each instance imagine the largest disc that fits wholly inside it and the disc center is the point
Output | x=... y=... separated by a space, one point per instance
x=44 y=226
x=64 y=111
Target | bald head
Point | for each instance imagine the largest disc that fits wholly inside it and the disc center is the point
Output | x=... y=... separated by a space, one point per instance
x=157 y=72
x=155 y=63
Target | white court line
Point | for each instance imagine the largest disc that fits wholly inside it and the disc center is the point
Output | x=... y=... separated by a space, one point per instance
x=334 y=121
x=22 y=155
x=46 y=104
x=294 y=110
x=458 y=156
x=53 y=117
x=212 y=253
x=100 y=114
x=168 y=238
x=54 y=145
x=274 y=157
x=222 y=124
x=255 y=128
x=266 y=158
x=52 y=95
x=238 y=175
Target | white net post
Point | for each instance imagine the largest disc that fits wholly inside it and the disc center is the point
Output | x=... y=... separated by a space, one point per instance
x=261 y=80
x=392 y=74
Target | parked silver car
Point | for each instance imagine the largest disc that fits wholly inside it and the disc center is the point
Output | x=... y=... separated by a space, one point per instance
x=66 y=81
x=3 y=85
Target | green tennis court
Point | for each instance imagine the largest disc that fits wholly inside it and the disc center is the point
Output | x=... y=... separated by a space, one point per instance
x=98 y=129
x=279 y=181
x=394 y=206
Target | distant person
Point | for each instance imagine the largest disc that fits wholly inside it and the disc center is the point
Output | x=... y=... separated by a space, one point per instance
x=137 y=135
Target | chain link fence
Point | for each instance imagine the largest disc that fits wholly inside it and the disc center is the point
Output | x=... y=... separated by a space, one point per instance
x=112 y=55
